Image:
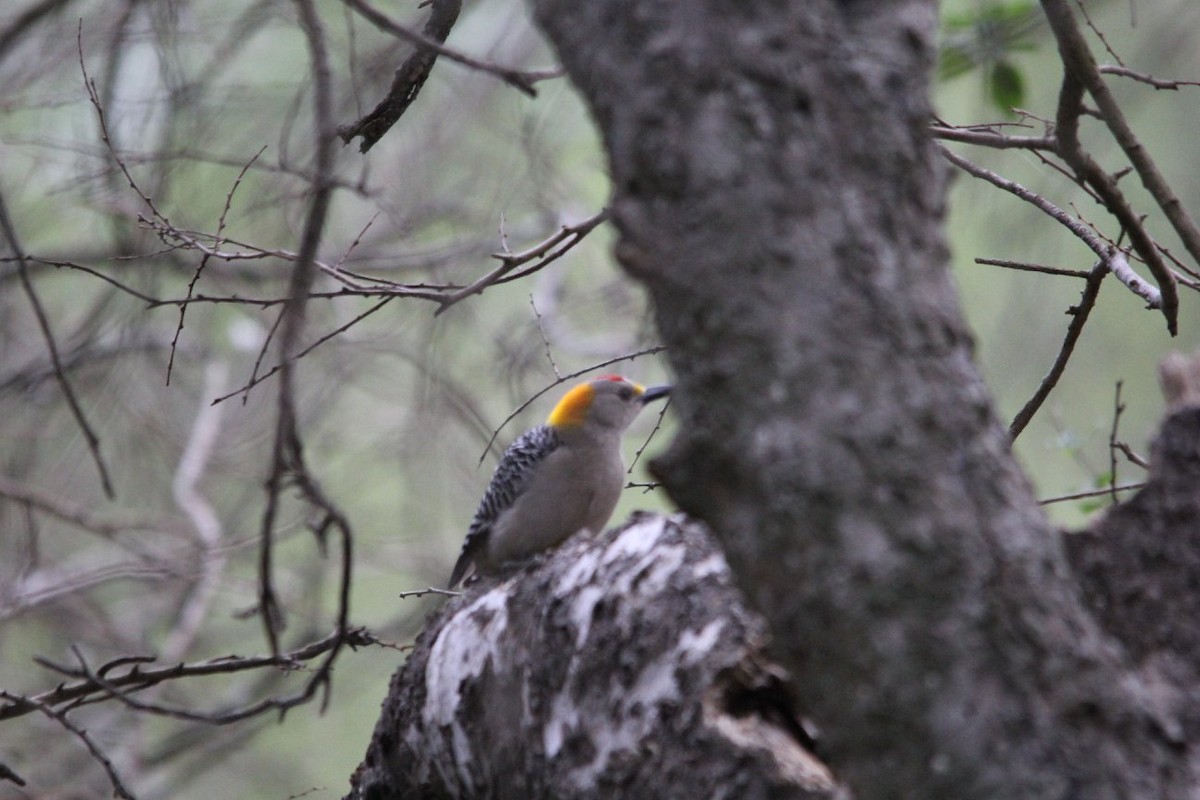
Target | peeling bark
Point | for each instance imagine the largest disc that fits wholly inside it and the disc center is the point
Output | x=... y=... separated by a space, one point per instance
x=620 y=666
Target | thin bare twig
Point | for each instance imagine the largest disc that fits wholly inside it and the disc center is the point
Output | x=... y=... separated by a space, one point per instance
x=1118 y=409
x=119 y=789
x=337 y=265
x=1131 y=456
x=1191 y=272
x=545 y=341
x=542 y=254
x=1108 y=252
x=135 y=677
x=1079 y=315
x=89 y=435
x=637 y=456
x=226 y=717
x=1099 y=33
x=129 y=290
x=191 y=287
x=1142 y=77
x=106 y=136
x=994 y=140
x=262 y=354
x=1027 y=267
x=658 y=348
x=1129 y=487
x=1082 y=231
x=428 y=590
x=256 y=379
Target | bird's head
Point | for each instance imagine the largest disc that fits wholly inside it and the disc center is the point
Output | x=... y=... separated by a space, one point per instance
x=609 y=401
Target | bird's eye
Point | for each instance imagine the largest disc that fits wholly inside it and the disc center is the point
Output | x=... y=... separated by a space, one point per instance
x=625 y=392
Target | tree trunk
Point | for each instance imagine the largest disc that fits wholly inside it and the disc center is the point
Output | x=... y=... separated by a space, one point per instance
x=777 y=193
x=1139 y=565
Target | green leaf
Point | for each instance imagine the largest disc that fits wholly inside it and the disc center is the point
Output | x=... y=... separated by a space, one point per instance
x=1007 y=86
x=986 y=38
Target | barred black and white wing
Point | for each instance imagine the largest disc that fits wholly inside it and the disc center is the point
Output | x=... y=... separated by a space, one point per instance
x=510 y=479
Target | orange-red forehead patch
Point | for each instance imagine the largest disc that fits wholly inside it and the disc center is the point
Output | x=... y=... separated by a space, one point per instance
x=573 y=407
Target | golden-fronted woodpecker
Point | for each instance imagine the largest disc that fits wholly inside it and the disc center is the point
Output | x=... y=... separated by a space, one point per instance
x=557 y=478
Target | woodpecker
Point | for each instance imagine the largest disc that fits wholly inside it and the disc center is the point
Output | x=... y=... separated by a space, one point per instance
x=557 y=478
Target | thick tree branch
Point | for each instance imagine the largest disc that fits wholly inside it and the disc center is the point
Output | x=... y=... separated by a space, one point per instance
x=411 y=75
x=130 y=675
x=1080 y=73
x=624 y=665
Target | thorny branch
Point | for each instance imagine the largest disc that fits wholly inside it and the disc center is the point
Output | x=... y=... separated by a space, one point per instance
x=1141 y=77
x=513 y=267
x=1118 y=409
x=1088 y=171
x=258 y=378
x=1079 y=315
x=1078 y=60
x=1111 y=260
x=428 y=590
x=1080 y=74
x=542 y=254
x=106 y=136
x=89 y=435
x=129 y=675
x=191 y=287
x=637 y=455
x=1128 y=487
x=60 y=716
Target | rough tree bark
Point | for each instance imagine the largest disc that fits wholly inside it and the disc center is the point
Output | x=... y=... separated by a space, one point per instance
x=624 y=666
x=776 y=192
x=1139 y=565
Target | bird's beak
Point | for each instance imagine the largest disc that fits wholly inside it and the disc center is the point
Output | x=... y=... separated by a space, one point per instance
x=654 y=393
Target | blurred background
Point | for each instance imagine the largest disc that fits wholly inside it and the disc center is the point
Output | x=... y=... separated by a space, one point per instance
x=209 y=107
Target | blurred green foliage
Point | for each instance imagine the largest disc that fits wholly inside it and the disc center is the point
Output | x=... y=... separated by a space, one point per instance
x=985 y=38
